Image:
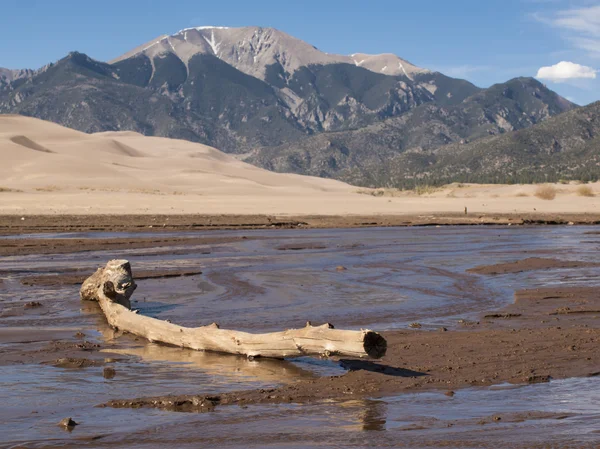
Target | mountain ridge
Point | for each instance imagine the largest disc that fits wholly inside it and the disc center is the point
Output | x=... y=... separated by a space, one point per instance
x=360 y=156
x=279 y=102
x=252 y=49
x=564 y=147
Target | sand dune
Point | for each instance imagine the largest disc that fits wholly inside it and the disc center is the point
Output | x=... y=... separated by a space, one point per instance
x=86 y=172
x=69 y=159
x=28 y=143
x=46 y=168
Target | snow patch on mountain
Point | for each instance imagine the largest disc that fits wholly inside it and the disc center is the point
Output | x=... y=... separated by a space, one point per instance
x=213 y=43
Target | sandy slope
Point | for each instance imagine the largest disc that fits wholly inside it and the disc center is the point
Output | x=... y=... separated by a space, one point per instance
x=58 y=170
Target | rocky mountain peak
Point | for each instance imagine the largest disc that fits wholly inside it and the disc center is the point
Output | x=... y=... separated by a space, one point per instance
x=387 y=64
x=253 y=50
x=8 y=75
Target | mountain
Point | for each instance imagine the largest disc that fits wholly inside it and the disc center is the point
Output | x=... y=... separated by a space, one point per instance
x=262 y=52
x=365 y=156
x=563 y=147
x=215 y=103
x=277 y=101
x=323 y=92
x=236 y=88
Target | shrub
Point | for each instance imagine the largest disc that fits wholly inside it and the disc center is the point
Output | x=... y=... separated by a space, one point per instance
x=546 y=192
x=426 y=189
x=584 y=190
x=48 y=189
x=7 y=189
x=383 y=191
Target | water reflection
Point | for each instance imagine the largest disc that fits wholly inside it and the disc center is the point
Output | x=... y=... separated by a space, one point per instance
x=374 y=415
x=559 y=414
x=228 y=366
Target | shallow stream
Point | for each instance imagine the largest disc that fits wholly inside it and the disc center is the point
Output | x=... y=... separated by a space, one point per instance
x=355 y=278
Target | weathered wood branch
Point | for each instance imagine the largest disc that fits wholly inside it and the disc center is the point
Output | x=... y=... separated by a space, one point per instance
x=113 y=285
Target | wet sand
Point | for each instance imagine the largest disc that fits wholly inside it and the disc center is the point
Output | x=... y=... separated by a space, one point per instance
x=545 y=334
x=30 y=224
x=461 y=333
x=531 y=263
x=24 y=246
x=78 y=277
x=537 y=347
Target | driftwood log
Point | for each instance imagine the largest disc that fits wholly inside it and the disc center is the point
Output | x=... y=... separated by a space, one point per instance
x=113 y=285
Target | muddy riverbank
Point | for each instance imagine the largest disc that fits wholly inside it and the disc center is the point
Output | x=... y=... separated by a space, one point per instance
x=464 y=310
x=546 y=334
x=28 y=224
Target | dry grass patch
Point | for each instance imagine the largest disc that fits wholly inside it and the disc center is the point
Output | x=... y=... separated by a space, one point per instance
x=380 y=192
x=426 y=189
x=386 y=191
x=147 y=191
x=370 y=192
x=546 y=192
x=9 y=190
x=584 y=190
x=521 y=194
x=48 y=189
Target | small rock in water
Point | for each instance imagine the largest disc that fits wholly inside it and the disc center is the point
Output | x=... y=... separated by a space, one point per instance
x=468 y=323
x=449 y=393
x=109 y=372
x=68 y=424
x=341 y=268
x=537 y=379
x=32 y=305
x=79 y=335
x=415 y=325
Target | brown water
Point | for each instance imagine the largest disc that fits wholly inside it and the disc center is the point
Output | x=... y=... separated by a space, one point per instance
x=393 y=277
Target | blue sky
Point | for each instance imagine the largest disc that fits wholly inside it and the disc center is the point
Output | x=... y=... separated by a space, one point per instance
x=484 y=41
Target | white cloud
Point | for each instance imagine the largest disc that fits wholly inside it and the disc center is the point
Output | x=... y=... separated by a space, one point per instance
x=592 y=46
x=581 y=20
x=564 y=71
x=581 y=26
